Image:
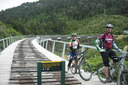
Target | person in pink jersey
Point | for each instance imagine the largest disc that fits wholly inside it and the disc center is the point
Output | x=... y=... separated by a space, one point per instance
x=104 y=44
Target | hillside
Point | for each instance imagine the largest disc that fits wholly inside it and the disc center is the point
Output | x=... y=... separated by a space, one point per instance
x=7 y=31
x=96 y=24
x=66 y=16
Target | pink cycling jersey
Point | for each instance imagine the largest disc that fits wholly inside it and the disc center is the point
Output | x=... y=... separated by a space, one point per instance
x=107 y=40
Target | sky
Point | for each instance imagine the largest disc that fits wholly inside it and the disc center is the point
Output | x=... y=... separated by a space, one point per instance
x=4 y=4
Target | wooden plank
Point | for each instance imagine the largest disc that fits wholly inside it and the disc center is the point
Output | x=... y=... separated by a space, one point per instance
x=68 y=81
x=24 y=68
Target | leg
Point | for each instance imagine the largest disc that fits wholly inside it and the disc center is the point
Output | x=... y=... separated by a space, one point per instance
x=105 y=59
x=70 y=60
x=69 y=63
x=112 y=56
x=106 y=71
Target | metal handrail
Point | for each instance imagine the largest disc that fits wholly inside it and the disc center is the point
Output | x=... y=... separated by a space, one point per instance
x=44 y=42
x=5 y=42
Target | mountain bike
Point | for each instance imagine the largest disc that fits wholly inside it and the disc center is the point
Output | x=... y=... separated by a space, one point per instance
x=123 y=78
x=82 y=67
x=117 y=71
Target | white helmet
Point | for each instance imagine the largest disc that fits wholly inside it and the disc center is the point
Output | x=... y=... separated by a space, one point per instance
x=74 y=34
x=109 y=26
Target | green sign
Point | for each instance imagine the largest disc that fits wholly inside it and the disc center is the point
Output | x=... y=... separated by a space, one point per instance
x=51 y=66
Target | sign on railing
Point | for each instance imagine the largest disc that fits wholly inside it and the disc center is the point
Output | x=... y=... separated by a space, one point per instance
x=50 y=66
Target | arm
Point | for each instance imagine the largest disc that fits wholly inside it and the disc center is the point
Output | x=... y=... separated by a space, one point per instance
x=115 y=46
x=71 y=46
x=78 y=45
x=97 y=42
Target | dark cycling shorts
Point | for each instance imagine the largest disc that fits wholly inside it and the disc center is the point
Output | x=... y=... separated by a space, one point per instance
x=105 y=56
x=73 y=56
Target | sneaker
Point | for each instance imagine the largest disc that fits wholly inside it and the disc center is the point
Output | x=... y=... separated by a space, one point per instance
x=108 y=80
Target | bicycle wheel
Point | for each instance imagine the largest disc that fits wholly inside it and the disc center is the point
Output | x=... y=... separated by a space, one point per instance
x=100 y=73
x=73 y=69
x=124 y=78
x=85 y=71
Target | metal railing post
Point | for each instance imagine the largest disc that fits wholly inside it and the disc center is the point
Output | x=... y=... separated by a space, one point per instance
x=83 y=48
x=43 y=43
x=3 y=44
x=64 y=46
x=6 y=42
x=53 y=47
x=9 y=40
x=12 y=40
x=47 y=44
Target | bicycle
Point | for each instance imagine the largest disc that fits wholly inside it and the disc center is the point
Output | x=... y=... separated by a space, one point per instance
x=123 y=78
x=83 y=68
x=116 y=71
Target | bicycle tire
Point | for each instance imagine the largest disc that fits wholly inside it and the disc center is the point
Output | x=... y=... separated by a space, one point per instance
x=100 y=73
x=73 y=69
x=123 y=78
x=85 y=71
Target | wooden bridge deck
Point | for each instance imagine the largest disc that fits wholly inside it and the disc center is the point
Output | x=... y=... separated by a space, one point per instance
x=24 y=67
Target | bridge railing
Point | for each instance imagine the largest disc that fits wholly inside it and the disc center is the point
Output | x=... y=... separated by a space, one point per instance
x=5 y=42
x=60 y=48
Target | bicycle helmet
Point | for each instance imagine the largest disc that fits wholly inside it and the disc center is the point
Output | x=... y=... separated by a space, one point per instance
x=109 y=26
x=74 y=34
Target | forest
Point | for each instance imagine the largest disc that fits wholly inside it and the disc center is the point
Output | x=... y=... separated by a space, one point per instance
x=62 y=17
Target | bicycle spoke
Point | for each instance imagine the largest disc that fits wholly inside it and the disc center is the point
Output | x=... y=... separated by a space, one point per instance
x=124 y=78
x=100 y=72
x=85 y=71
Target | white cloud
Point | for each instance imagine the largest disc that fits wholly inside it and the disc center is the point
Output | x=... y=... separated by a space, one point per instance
x=4 y=4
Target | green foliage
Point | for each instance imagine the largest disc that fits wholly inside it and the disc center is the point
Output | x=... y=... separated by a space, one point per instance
x=121 y=41
x=93 y=58
x=7 y=31
x=96 y=24
x=66 y=16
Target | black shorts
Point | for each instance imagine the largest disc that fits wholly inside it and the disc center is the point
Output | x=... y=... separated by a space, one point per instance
x=105 y=56
x=73 y=56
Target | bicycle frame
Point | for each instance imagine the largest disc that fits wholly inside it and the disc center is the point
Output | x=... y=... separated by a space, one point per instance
x=79 y=60
x=122 y=67
x=81 y=56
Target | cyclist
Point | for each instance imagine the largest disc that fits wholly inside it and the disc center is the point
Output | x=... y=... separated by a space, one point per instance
x=74 y=46
x=104 y=44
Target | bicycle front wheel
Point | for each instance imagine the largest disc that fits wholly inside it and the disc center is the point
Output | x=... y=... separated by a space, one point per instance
x=123 y=78
x=100 y=73
x=73 y=69
x=85 y=71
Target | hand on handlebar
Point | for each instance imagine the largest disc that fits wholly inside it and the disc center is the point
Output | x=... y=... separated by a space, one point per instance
x=102 y=50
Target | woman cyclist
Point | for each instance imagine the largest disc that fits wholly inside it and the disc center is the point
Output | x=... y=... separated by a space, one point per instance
x=74 y=46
